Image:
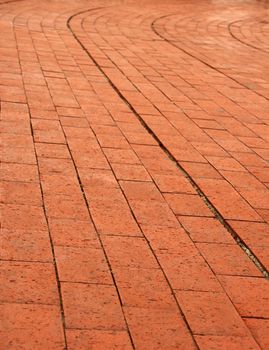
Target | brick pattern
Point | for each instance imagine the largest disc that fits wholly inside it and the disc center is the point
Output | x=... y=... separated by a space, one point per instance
x=116 y=121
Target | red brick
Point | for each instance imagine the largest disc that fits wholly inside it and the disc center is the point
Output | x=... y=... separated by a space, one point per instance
x=23 y=217
x=129 y=252
x=26 y=245
x=264 y=214
x=98 y=178
x=184 y=204
x=254 y=301
x=74 y=233
x=19 y=172
x=253 y=233
x=262 y=253
x=121 y=156
x=43 y=114
x=139 y=138
x=92 y=306
x=20 y=155
x=158 y=329
x=51 y=150
x=64 y=207
x=49 y=136
x=31 y=326
x=21 y=193
x=56 y=166
x=144 y=191
x=79 y=264
x=260 y=330
x=80 y=133
x=200 y=170
x=242 y=180
x=18 y=141
x=220 y=193
x=113 y=217
x=205 y=230
x=227 y=259
x=193 y=270
x=117 y=142
x=131 y=172
x=98 y=340
x=257 y=198
x=146 y=288
x=30 y=282
x=173 y=184
x=154 y=213
x=74 y=121
x=207 y=342
x=211 y=314
x=59 y=184
x=166 y=239
x=225 y=163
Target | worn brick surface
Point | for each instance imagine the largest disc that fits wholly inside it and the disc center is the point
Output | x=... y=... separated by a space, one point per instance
x=134 y=168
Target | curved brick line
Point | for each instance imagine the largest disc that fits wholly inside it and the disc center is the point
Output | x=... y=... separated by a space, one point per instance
x=214 y=210
x=243 y=42
x=118 y=92
x=173 y=43
x=95 y=228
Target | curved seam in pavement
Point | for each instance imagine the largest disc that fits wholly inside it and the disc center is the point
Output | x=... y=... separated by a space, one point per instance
x=97 y=233
x=153 y=253
x=241 y=41
x=171 y=42
x=214 y=210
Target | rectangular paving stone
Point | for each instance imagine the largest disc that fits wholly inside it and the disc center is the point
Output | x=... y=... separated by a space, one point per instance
x=210 y=313
x=227 y=259
x=25 y=245
x=31 y=326
x=185 y=204
x=254 y=301
x=28 y=282
x=207 y=342
x=90 y=265
x=164 y=329
x=129 y=252
x=98 y=339
x=92 y=306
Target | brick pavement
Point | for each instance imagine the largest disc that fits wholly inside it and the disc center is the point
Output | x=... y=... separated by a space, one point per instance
x=134 y=175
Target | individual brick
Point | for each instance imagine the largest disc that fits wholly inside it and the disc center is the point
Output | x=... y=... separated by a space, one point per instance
x=260 y=330
x=165 y=329
x=27 y=245
x=31 y=326
x=227 y=259
x=82 y=264
x=29 y=282
x=92 y=306
x=27 y=193
x=203 y=229
x=98 y=339
x=210 y=313
x=129 y=252
x=208 y=342
x=184 y=204
x=131 y=172
x=73 y=233
x=254 y=301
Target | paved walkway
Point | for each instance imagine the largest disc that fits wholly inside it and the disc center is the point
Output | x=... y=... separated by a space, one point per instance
x=135 y=175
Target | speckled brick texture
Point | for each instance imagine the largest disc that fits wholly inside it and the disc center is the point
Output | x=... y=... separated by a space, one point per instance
x=134 y=175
